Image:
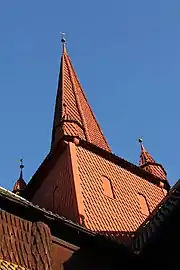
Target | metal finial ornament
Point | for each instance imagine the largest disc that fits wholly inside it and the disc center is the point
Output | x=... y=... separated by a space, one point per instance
x=63 y=40
x=21 y=169
x=21 y=164
x=140 y=140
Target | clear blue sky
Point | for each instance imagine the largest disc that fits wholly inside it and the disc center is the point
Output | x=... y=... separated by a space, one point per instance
x=127 y=56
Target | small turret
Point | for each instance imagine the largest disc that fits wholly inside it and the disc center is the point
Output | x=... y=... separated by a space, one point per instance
x=20 y=183
x=148 y=163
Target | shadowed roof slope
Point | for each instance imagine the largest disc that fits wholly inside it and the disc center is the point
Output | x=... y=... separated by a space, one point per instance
x=163 y=221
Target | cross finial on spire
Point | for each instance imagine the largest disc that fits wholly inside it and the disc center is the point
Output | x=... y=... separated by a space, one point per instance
x=21 y=168
x=140 y=140
x=21 y=164
x=63 y=40
x=20 y=183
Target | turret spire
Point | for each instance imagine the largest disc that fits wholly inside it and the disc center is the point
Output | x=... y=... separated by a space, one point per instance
x=148 y=163
x=73 y=116
x=145 y=156
x=20 y=183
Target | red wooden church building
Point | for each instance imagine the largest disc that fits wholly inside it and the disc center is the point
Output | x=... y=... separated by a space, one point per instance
x=85 y=207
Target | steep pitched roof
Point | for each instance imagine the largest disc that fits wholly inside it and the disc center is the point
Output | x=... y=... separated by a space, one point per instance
x=20 y=183
x=148 y=163
x=73 y=115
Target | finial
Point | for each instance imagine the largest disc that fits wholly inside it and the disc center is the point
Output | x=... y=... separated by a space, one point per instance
x=20 y=183
x=21 y=164
x=21 y=167
x=63 y=40
x=140 y=140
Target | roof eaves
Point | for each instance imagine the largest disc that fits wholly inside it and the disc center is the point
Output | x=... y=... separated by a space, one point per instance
x=20 y=200
x=154 y=164
x=60 y=227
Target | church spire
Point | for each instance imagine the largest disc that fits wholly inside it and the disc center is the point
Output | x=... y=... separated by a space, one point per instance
x=73 y=115
x=148 y=163
x=20 y=183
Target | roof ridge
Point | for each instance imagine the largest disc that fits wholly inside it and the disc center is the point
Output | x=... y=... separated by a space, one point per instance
x=122 y=162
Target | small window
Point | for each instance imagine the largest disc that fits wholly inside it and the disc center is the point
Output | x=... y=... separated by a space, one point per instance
x=146 y=169
x=143 y=205
x=107 y=186
x=164 y=191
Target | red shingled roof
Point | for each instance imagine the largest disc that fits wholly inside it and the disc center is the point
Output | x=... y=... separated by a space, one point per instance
x=19 y=185
x=148 y=163
x=28 y=232
x=118 y=216
x=73 y=115
x=78 y=173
